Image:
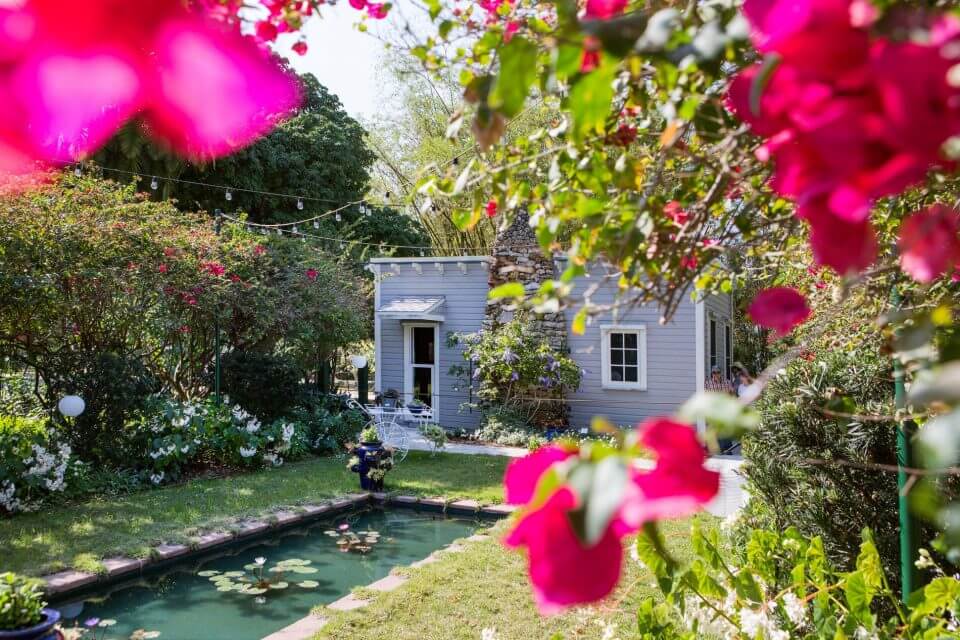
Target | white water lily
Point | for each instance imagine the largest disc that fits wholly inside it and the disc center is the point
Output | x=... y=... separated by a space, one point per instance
x=260 y=561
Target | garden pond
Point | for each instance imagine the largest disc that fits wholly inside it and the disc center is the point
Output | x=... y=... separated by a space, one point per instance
x=260 y=586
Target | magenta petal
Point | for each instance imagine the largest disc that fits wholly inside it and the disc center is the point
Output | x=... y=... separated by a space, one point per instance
x=521 y=476
x=928 y=243
x=75 y=102
x=215 y=92
x=779 y=308
x=562 y=570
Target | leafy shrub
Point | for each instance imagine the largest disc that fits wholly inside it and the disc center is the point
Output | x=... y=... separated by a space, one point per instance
x=506 y=427
x=329 y=425
x=266 y=385
x=435 y=435
x=32 y=465
x=785 y=588
x=21 y=602
x=370 y=434
x=805 y=427
x=516 y=368
x=114 y=388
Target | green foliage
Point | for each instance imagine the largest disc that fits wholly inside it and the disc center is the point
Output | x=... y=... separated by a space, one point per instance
x=21 y=602
x=783 y=586
x=329 y=427
x=435 y=435
x=33 y=465
x=265 y=384
x=513 y=366
x=506 y=427
x=809 y=422
x=370 y=434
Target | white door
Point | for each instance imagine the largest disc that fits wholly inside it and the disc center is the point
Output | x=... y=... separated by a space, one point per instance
x=421 y=375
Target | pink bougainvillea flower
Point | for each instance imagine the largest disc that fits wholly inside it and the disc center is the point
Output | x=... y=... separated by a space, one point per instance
x=591 y=54
x=267 y=31
x=928 y=243
x=508 y=31
x=259 y=250
x=842 y=245
x=688 y=261
x=378 y=10
x=675 y=211
x=779 y=308
x=300 y=48
x=677 y=487
x=563 y=571
x=73 y=74
x=162 y=268
x=184 y=329
x=214 y=268
x=491 y=208
x=522 y=475
x=312 y=274
x=604 y=9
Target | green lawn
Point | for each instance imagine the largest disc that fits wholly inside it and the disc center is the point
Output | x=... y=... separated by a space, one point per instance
x=486 y=586
x=78 y=535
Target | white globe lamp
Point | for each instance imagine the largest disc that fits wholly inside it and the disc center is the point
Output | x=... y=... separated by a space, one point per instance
x=71 y=406
x=358 y=362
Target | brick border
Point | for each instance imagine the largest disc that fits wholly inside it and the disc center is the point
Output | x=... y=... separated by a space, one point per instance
x=68 y=581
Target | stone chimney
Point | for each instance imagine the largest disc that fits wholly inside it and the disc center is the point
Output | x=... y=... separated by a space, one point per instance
x=517 y=257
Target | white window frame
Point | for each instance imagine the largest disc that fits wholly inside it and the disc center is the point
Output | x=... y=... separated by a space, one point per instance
x=408 y=364
x=618 y=385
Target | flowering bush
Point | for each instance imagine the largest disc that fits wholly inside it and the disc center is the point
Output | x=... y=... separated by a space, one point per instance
x=32 y=464
x=513 y=366
x=784 y=587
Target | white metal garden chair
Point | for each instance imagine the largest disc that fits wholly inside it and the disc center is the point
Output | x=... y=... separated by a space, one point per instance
x=391 y=430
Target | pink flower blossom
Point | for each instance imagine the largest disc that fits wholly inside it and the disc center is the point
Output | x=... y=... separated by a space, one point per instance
x=162 y=268
x=169 y=251
x=522 y=475
x=300 y=48
x=563 y=571
x=214 y=268
x=508 y=31
x=675 y=211
x=677 y=487
x=74 y=73
x=604 y=9
x=688 y=261
x=779 y=308
x=259 y=250
x=491 y=208
x=311 y=274
x=928 y=243
x=267 y=31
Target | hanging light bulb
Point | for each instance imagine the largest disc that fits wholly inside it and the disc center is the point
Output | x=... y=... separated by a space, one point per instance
x=421 y=253
x=264 y=231
x=363 y=209
x=316 y=224
x=279 y=231
x=299 y=204
x=338 y=217
x=78 y=171
x=228 y=195
x=154 y=184
x=294 y=228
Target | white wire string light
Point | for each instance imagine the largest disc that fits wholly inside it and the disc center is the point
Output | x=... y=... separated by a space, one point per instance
x=228 y=194
x=154 y=184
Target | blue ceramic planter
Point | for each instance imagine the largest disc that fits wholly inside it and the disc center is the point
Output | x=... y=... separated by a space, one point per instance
x=43 y=631
x=370 y=455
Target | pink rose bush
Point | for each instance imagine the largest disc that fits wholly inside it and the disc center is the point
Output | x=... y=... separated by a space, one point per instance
x=847 y=115
x=566 y=569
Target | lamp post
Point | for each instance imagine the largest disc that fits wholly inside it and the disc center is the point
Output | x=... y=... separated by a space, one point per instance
x=363 y=378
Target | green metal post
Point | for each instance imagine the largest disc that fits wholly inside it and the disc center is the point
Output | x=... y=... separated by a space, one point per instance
x=905 y=430
x=216 y=324
x=363 y=385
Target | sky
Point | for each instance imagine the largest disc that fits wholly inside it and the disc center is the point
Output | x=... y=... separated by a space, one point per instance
x=345 y=60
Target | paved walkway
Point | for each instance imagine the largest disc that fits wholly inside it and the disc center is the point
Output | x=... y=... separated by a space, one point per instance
x=729 y=500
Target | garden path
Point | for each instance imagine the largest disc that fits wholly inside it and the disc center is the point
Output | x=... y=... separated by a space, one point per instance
x=731 y=498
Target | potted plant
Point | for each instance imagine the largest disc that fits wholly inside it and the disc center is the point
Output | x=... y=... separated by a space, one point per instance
x=416 y=407
x=371 y=460
x=23 y=615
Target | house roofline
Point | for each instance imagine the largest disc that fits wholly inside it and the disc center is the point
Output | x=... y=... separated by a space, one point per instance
x=453 y=259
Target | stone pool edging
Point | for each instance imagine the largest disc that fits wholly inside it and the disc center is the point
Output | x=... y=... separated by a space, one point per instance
x=62 y=583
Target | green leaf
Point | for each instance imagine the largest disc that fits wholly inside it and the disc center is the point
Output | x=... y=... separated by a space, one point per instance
x=724 y=412
x=579 y=324
x=508 y=290
x=868 y=563
x=938 y=441
x=940 y=594
x=589 y=101
x=610 y=479
x=518 y=72
x=652 y=553
x=858 y=596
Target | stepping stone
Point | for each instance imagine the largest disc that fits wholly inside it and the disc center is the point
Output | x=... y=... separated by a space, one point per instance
x=347 y=603
x=379 y=496
x=167 y=551
x=315 y=509
x=213 y=539
x=286 y=517
x=68 y=580
x=467 y=505
x=499 y=509
x=302 y=629
x=405 y=499
x=387 y=584
x=251 y=527
x=433 y=502
x=119 y=566
x=430 y=559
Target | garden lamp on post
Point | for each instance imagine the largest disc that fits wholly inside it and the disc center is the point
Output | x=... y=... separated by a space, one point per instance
x=363 y=378
x=71 y=406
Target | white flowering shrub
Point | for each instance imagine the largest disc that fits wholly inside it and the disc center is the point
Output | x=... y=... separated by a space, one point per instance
x=785 y=588
x=32 y=464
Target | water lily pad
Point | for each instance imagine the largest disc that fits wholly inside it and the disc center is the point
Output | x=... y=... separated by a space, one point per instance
x=254 y=591
x=278 y=569
x=251 y=567
x=303 y=569
x=234 y=574
x=280 y=585
x=109 y=622
x=208 y=573
x=308 y=584
x=223 y=588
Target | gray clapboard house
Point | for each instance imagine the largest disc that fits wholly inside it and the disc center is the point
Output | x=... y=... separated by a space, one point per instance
x=634 y=366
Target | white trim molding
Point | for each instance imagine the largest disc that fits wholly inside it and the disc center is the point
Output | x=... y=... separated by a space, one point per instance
x=402 y=260
x=700 y=336
x=616 y=385
x=377 y=360
x=408 y=365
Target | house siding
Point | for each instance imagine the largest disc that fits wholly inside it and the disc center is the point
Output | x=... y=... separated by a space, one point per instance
x=465 y=301
x=717 y=308
x=671 y=362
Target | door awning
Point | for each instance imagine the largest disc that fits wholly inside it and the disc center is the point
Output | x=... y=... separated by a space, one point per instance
x=413 y=309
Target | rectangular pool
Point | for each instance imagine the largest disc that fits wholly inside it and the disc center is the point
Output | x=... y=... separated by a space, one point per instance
x=183 y=605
